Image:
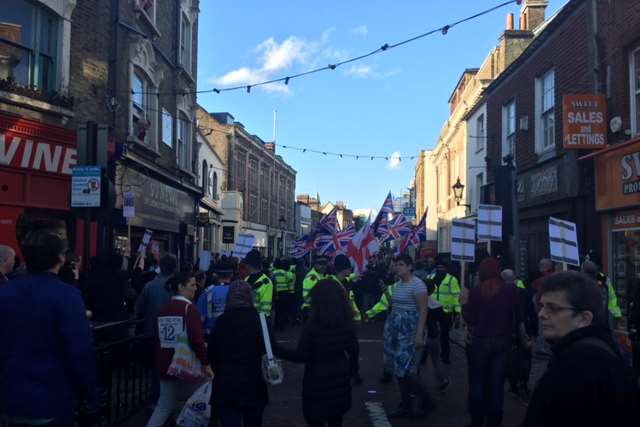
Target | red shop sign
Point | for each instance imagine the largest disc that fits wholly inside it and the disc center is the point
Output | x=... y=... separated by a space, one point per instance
x=31 y=145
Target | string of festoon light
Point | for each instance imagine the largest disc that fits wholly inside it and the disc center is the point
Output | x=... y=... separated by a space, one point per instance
x=286 y=79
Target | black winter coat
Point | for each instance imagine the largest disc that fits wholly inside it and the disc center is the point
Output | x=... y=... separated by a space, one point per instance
x=235 y=353
x=586 y=384
x=331 y=360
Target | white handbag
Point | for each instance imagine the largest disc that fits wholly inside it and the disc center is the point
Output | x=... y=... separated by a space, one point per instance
x=271 y=367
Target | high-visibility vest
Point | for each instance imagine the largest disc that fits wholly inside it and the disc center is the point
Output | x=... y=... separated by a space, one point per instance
x=612 y=298
x=283 y=280
x=263 y=293
x=350 y=296
x=520 y=284
x=308 y=283
x=447 y=293
x=384 y=304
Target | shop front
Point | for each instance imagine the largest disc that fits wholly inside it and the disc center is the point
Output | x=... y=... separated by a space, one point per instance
x=169 y=212
x=618 y=201
x=36 y=162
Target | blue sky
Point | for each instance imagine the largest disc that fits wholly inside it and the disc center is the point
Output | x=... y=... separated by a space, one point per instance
x=395 y=102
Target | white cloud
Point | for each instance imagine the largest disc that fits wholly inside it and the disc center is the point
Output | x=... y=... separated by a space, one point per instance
x=394 y=161
x=362 y=71
x=276 y=57
x=326 y=34
x=360 y=30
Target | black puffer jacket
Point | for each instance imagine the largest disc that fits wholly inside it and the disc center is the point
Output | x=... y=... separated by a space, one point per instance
x=586 y=384
x=331 y=359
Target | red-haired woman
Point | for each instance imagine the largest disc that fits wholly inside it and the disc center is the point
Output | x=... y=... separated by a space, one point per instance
x=492 y=315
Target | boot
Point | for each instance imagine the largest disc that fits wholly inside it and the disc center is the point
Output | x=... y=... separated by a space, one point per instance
x=404 y=410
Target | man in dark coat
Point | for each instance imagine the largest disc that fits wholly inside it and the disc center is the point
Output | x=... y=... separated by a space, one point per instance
x=587 y=382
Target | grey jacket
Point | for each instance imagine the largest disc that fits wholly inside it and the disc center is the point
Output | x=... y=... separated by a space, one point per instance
x=154 y=296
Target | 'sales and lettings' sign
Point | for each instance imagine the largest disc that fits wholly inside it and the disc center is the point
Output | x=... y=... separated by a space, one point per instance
x=584 y=122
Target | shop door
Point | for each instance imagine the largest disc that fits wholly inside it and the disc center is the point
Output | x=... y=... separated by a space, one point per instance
x=625 y=271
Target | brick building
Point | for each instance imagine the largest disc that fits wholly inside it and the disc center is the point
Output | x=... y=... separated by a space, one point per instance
x=265 y=181
x=524 y=125
x=133 y=69
x=617 y=167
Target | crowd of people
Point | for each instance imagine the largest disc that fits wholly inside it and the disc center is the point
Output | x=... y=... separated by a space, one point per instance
x=206 y=326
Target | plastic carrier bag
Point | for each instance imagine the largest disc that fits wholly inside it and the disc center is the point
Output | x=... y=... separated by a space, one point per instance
x=271 y=367
x=197 y=410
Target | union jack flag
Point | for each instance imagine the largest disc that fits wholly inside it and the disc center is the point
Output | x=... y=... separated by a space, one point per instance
x=300 y=247
x=334 y=243
x=382 y=219
x=395 y=229
x=418 y=235
x=329 y=222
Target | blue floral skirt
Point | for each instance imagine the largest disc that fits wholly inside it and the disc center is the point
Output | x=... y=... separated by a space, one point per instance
x=400 y=351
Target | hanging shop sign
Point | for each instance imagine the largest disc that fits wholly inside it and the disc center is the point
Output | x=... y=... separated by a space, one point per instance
x=584 y=122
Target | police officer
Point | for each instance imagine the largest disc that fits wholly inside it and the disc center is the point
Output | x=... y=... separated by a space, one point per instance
x=342 y=270
x=259 y=282
x=317 y=273
x=285 y=287
x=447 y=294
x=382 y=306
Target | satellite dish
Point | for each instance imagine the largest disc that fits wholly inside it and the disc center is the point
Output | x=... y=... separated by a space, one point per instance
x=615 y=124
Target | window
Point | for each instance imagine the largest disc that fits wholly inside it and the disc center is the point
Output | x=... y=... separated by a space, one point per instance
x=213 y=184
x=509 y=129
x=545 y=112
x=141 y=117
x=205 y=178
x=634 y=74
x=241 y=170
x=184 y=141
x=185 y=43
x=479 y=136
x=478 y=189
x=29 y=39
x=167 y=128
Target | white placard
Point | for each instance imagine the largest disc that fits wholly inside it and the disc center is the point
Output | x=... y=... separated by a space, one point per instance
x=169 y=329
x=463 y=240
x=205 y=260
x=128 y=204
x=145 y=241
x=489 y=223
x=244 y=243
x=563 y=241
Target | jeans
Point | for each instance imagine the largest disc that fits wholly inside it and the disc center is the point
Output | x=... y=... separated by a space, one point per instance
x=488 y=370
x=335 y=422
x=240 y=417
x=172 y=393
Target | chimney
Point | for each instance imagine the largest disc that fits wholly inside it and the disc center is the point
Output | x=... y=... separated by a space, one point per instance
x=510 y=22
x=270 y=146
x=533 y=14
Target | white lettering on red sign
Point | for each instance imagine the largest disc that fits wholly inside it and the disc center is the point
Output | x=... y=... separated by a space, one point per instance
x=37 y=155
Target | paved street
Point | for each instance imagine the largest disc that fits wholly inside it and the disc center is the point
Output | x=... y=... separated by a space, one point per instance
x=372 y=400
x=286 y=406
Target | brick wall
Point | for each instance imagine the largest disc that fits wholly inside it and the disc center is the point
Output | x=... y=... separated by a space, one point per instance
x=567 y=52
x=619 y=34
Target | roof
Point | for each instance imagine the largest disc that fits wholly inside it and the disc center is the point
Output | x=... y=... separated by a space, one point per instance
x=464 y=73
x=545 y=31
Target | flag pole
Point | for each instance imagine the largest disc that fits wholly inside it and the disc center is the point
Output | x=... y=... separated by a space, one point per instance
x=462 y=274
x=489 y=247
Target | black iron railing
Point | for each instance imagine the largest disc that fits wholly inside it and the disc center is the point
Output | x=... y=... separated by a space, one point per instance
x=125 y=370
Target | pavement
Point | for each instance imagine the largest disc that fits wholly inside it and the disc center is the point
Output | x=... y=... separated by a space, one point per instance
x=372 y=400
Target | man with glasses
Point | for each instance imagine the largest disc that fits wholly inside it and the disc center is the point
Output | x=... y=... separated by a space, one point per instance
x=587 y=382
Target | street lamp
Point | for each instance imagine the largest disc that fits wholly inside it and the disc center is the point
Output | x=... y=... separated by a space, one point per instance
x=282 y=223
x=458 y=188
